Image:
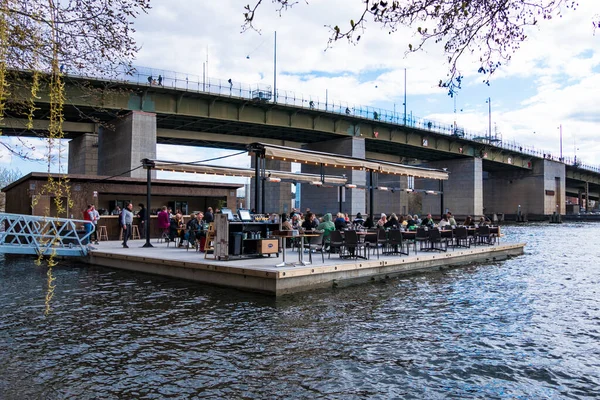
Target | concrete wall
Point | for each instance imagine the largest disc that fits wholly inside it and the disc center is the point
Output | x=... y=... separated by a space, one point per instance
x=83 y=154
x=534 y=191
x=462 y=192
x=126 y=141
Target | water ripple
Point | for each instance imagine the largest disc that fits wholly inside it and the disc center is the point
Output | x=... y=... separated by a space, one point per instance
x=528 y=327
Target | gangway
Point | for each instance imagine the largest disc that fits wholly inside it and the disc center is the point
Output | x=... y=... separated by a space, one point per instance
x=35 y=235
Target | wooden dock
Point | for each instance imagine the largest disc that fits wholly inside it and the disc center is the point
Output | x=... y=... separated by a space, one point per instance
x=262 y=274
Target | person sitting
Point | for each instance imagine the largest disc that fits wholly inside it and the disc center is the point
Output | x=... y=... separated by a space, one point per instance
x=411 y=225
x=382 y=221
x=326 y=226
x=177 y=229
x=285 y=223
x=296 y=222
x=392 y=223
x=309 y=223
x=340 y=222
x=483 y=221
x=192 y=227
x=428 y=221
x=368 y=224
x=444 y=222
x=469 y=221
x=451 y=219
x=417 y=219
x=359 y=220
x=116 y=211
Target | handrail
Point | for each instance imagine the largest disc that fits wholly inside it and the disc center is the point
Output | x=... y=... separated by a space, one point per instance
x=39 y=235
x=148 y=76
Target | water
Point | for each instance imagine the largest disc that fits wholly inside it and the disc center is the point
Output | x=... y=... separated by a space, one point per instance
x=525 y=328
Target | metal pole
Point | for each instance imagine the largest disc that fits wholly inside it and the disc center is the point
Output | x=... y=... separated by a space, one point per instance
x=441 y=197
x=326 y=95
x=148 y=164
x=561 y=157
x=275 y=69
x=204 y=77
x=490 y=119
x=404 y=96
x=263 y=183
x=256 y=182
x=371 y=189
x=341 y=189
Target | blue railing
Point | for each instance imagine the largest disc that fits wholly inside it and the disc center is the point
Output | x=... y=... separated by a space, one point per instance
x=261 y=92
x=34 y=235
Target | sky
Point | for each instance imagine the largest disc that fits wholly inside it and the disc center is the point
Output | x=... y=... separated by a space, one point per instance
x=548 y=83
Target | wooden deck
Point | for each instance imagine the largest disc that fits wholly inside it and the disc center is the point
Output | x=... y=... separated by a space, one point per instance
x=262 y=274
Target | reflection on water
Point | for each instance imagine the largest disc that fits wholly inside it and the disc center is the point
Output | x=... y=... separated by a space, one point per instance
x=528 y=327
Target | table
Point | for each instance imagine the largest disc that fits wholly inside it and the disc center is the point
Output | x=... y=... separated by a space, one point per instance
x=300 y=250
x=282 y=241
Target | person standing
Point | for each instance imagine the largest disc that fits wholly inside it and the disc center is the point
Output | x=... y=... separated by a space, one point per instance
x=89 y=225
x=208 y=215
x=159 y=80
x=125 y=220
x=142 y=216
x=95 y=215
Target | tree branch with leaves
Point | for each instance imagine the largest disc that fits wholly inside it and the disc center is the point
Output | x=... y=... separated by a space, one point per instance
x=491 y=30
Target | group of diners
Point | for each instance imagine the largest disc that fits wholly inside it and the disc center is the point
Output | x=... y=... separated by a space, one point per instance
x=174 y=228
x=380 y=233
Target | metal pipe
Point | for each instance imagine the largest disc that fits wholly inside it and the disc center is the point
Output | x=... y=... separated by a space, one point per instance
x=256 y=181
x=148 y=164
x=371 y=189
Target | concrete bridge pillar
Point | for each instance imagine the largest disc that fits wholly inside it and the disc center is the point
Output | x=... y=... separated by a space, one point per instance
x=539 y=192
x=278 y=195
x=83 y=154
x=326 y=199
x=126 y=141
x=462 y=192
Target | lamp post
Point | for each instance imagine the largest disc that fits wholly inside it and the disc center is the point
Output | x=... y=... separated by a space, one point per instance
x=560 y=128
x=275 y=69
x=404 y=96
x=489 y=101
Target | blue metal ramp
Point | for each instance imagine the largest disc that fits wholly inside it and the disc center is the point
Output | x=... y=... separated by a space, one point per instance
x=27 y=234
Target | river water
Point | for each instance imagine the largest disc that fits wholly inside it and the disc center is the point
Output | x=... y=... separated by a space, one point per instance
x=528 y=328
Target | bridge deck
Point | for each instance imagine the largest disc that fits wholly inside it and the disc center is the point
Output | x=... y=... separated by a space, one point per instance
x=262 y=275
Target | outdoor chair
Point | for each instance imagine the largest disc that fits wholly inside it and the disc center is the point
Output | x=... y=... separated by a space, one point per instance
x=395 y=243
x=315 y=243
x=371 y=240
x=353 y=245
x=422 y=237
x=336 y=243
x=461 y=237
x=436 y=241
x=484 y=236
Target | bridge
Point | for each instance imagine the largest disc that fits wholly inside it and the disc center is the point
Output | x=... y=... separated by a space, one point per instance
x=35 y=235
x=486 y=175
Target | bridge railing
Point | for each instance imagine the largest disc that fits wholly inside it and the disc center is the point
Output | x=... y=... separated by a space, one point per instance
x=35 y=235
x=261 y=92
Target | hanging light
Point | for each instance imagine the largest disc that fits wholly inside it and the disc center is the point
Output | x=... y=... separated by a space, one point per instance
x=316 y=183
x=274 y=179
x=385 y=188
x=350 y=186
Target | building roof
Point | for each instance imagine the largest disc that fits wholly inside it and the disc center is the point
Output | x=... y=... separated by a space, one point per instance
x=122 y=180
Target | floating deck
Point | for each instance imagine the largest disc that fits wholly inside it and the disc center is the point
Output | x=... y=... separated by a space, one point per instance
x=262 y=274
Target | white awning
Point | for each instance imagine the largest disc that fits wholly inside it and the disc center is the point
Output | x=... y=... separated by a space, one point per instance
x=248 y=173
x=344 y=162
